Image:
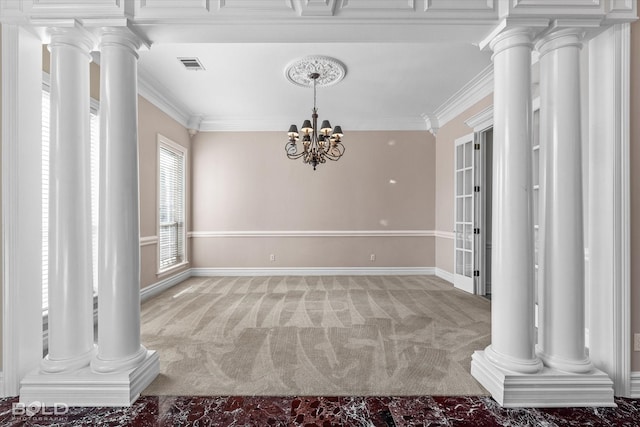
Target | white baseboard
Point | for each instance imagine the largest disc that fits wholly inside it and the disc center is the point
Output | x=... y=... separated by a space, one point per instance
x=161 y=286
x=317 y=271
x=444 y=275
x=547 y=389
x=634 y=390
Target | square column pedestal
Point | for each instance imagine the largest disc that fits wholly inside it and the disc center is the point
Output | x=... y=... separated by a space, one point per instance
x=548 y=388
x=87 y=388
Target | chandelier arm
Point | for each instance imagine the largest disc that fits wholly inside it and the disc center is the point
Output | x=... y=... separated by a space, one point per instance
x=292 y=151
x=335 y=157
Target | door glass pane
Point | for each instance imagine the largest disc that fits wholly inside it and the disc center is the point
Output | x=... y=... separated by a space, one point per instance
x=536 y=166
x=459 y=236
x=459 y=209
x=468 y=209
x=535 y=245
x=468 y=236
x=459 y=262
x=468 y=182
x=468 y=264
x=468 y=154
x=460 y=183
x=536 y=216
x=460 y=157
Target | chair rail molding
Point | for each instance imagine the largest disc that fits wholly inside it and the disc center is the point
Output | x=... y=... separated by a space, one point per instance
x=314 y=233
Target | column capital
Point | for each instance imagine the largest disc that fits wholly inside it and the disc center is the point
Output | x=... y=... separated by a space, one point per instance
x=559 y=36
x=511 y=30
x=75 y=36
x=121 y=37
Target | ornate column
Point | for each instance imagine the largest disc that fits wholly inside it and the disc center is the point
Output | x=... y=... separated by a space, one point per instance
x=121 y=368
x=561 y=307
x=512 y=350
x=512 y=269
x=70 y=264
x=119 y=347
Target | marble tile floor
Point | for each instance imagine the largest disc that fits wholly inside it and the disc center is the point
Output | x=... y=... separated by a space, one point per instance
x=476 y=411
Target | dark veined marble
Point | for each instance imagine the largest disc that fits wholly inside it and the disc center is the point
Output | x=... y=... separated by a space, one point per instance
x=423 y=411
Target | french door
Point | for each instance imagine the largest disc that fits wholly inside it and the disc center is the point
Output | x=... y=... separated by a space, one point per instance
x=465 y=159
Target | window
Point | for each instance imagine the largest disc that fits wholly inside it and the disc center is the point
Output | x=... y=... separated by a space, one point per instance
x=95 y=149
x=171 y=204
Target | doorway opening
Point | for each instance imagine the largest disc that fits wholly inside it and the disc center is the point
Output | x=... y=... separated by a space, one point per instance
x=483 y=211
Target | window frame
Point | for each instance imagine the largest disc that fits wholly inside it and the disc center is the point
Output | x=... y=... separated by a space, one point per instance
x=168 y=144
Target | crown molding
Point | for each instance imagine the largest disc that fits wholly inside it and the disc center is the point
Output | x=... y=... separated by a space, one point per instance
x=432 y=123
x=471 y=93
x=482 y=120
x=238 y=124
x=150 y=89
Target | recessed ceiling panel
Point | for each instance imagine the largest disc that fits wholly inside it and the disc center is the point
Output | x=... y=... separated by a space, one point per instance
x=379 y=4
x=244 y=87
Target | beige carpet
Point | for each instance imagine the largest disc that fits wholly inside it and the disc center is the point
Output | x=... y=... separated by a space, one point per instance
x=343 y=335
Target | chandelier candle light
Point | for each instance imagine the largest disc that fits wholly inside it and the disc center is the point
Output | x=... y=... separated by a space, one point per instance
x=318 y=145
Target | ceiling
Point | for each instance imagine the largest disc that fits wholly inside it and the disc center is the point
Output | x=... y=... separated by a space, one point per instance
x=388 y=86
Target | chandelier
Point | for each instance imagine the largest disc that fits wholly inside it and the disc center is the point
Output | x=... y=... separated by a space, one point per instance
x=318 y=144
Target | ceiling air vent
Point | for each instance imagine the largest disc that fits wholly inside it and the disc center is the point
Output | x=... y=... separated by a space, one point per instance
x=191 y=64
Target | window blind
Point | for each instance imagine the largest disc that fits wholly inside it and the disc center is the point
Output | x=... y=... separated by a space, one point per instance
x=171 y=207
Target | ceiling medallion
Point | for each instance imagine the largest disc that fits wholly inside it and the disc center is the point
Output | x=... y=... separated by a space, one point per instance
x=331 y=71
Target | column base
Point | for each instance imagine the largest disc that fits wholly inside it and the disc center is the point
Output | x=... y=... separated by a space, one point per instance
x=583 y=366
x=55 y=366
x=547 y=389
x=107 y=366
x=87 y=388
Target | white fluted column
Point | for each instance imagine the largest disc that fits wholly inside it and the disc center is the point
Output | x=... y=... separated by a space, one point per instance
x=562 y=245
x=70 y=265
x=512 y=270
x=119 y=345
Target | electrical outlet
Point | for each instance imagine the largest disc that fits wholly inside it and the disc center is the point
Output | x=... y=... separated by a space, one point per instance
x=636 y=342
x=372 y=257
x=272 y=257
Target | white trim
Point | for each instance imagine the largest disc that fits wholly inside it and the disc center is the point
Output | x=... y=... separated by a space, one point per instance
x=444 y=275
x=471 y=93
x=609 y=229
x=316 y=233
x=148 y=240
x=315 y=271
x=445 y=235
x=634 y=390
x=481 y=121
x=157 y=288
x=148 y=88
x=622 y=290
x=21 y=83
